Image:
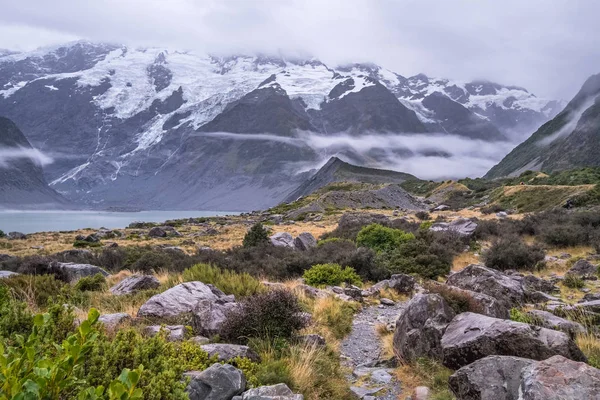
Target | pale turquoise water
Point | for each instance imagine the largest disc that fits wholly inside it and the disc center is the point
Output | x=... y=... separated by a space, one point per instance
x=45 y=221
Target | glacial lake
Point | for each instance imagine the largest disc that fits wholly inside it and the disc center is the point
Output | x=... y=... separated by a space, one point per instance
x=58 y=220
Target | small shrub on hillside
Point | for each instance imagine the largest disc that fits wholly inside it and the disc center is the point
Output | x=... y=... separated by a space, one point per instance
x=256 y=236
x=492 y=209
x=512 y=253
x=94 y=283
x=2 y=234
x=238 y=284
x=423 y=215
x=15 y=318
x=35 y=289
x=330 y=274
x=381 y=238
x=573 y=281
x=458 y=300
x=521 y=316
x=333 y=240
x=272 y=315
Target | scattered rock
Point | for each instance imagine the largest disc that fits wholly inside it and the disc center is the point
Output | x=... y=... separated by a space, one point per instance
x=217 y=382
x=551 y=321
x=402 y=283
x=471 y=336
x=16 y=236
x=111 y=321
x=501 y=214
x=226 y=352
x=79 y=253
x=584 y=269
x=179 y=300
x=176 y=333
x=354 y=292
x=282 y=239
x=461 y=226
x=489 y=378
x=351 y=220
x=275 y=392
x=157 y=232
x=305 y=241
x=420 y=327
x=422 y=393
x=188 y=242
x=135 y=283
x=441 y=207
x=208 y=315
x=559 y=378
x=71 y=272
x=387 y=302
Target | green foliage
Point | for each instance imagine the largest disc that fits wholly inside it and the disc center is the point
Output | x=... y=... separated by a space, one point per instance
x=256 y=236
x=513 y=253
x=418 y=257
x=36 y=289
x=324 y=242
x=81 y=244
x=15 y=318
x=519 y=315
x=381 y=238
x=272 y=315
x=425 y=225
x=573 y=281
x=330 y=274
x=238 y=284
x=2 y=234
x=94 y=283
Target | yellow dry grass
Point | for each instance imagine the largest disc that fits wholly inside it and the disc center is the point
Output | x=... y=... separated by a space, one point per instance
x=464 y=259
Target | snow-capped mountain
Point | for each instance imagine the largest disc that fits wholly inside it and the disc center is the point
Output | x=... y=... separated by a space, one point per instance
x=159 y=128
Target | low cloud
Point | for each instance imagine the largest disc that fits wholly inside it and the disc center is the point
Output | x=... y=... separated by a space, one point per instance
x=8 y=155
x=569 y=127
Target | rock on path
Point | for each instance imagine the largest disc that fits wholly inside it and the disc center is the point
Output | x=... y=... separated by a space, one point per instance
x=361 y=351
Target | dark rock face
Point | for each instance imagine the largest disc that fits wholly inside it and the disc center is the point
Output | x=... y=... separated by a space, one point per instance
x=217 y=382
x=470 y=337
x=420 y=327
x=490 y=378
x=135 y=283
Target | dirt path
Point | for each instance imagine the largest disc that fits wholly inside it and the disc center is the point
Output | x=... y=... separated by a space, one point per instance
x=361 y=351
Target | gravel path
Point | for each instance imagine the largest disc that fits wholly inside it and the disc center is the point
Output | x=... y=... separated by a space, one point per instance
x=361 y=351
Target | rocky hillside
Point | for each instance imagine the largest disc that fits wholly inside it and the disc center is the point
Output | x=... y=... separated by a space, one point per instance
x=570 y=140
x=22 y=182
x=172 y=129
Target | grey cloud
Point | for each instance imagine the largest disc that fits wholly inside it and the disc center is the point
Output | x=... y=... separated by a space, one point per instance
x=548 y=47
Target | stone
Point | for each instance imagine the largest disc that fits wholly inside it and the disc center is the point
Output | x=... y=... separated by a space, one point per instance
x=135 y=283
x=157 y=232
x=590 y=297
x=16 y=236
x=422 y=393
x=387 y=302
x=208 y=315
x=305 y=241
x=551 y=321
x=354 y=220
x=226 y=352
x=111 y=321
x=491 y=282
x=354 y=292
x=532 y=283
x=363 y=392
x=501 y=214
x=313 y=339
x=217 y=382
x=282 y=239
x=471 y=336
x=441 y=207
x=75 y=253
x=274 y=392
x=584 y=269
x=72 y=272
x=381 y=376
x=6 y=274
x=420 y=327
x=489 y=378
x=199 y=340
x=558 y=378
x=486 y=305
x=178 y=300
x=461 y=226
x=588 y=306
x=176 y=333
x=402 y=283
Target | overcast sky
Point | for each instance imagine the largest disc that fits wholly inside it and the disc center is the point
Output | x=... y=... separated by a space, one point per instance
x=548 y=46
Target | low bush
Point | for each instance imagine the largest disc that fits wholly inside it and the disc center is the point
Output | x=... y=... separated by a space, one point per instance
x=2 y=234
x=513 y=253
x=35 y=290
x=238 y=284
x=272 y=315
x=82 y=244
x=256 y=236
x=423 y=215
x=492 y=209
x=331 y=275
x=521 y=316
x=94 y=283
x=381 y=238
x=573 y=281
x=15 y=318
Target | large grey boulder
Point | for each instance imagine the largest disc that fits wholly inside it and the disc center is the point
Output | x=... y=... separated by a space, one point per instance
x=217 y=382
x=72 y=272
x=478 y=302
x=490 y=378
x=420 y=327
x=305 y=241
x=491 y=282
x=584 y=269
x=226 y=352
x=275 y=392
x=461 y=226
x=111 y=321
x=135 y=283
x=548 y=320
x=559 y=378
x=157 y=232
x=179 y=300
x=471 y=336
x=208 y=315
x=6 y=274
x=401 y=283
x=282 y=239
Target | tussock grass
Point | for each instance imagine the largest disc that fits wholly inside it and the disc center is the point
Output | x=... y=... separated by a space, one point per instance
x=425 y=372
x=238 y=284
x=334 y=314
x=463 y=260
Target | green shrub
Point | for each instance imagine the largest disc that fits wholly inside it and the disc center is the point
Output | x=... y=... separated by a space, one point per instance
x=422 y=257
x=80 y=244
x=333 y=240
x=381 y=238
x=521 y=316
x=238 y=284
x=256 y=236
x=272 y=315
x=2 y=234
x=573 y=281
x=15 y=318
x=94 y=283
x=330 y=274
x=36 y=289
x=512 y=252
